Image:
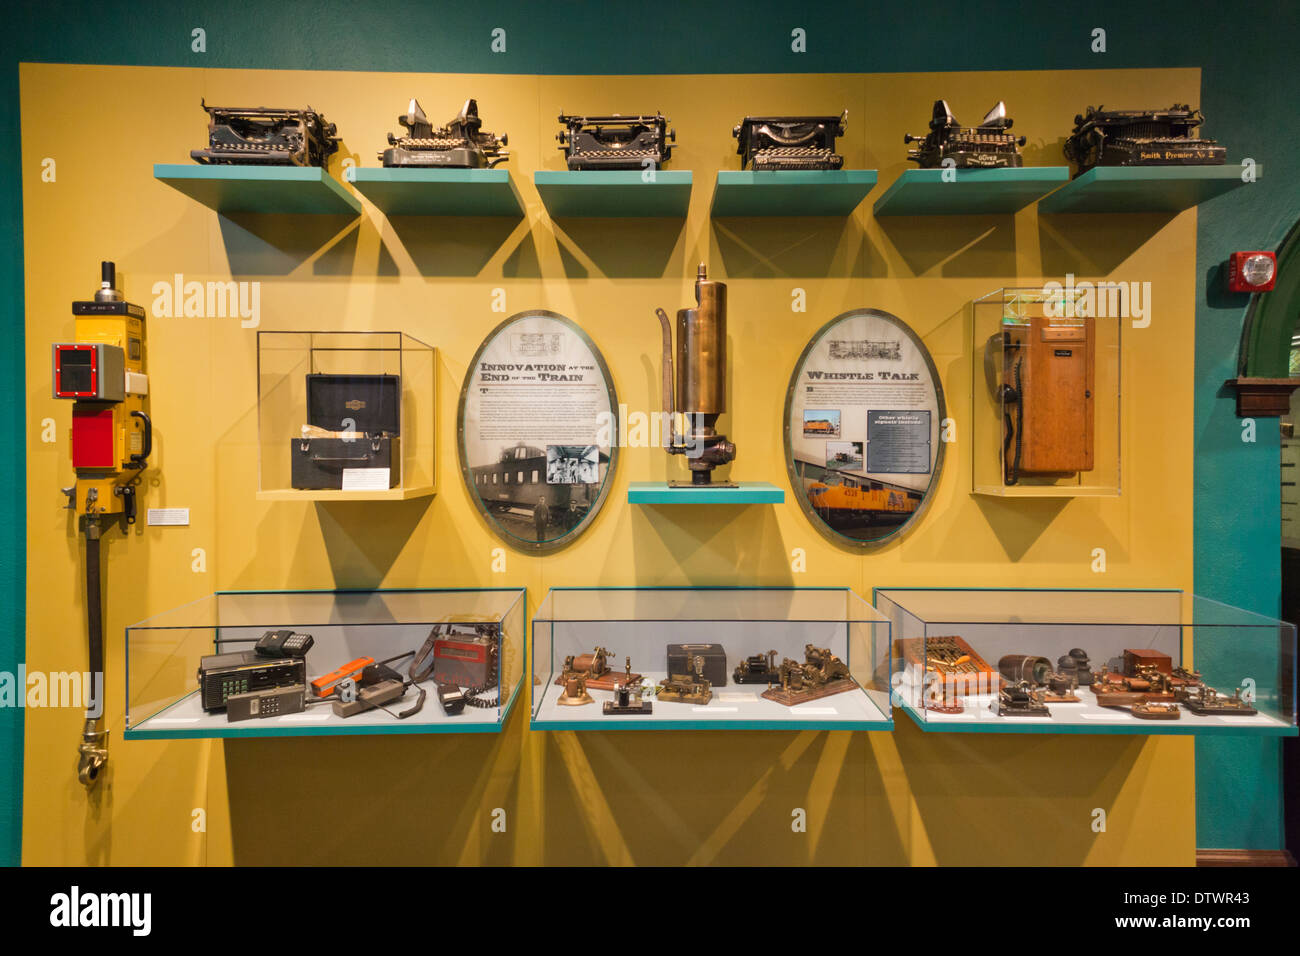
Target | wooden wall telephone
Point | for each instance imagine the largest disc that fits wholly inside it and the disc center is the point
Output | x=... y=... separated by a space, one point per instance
x=1045 y=385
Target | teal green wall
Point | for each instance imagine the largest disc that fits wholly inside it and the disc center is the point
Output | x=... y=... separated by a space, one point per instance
x=1250 y=95
x=1255 y=106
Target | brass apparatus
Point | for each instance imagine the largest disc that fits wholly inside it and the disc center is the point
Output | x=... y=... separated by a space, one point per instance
x=700 y=394
x=575 y=693
x=691 y=688
x=819 y=668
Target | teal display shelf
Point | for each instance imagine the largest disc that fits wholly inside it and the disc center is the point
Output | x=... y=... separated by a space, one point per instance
x=1132 y=727
x=650 y=722
x=613 y=194
x=278 y=190
x=439 y=192
x=923 y=192
x=820 y=192
x=748 y=493
x=1144 y=188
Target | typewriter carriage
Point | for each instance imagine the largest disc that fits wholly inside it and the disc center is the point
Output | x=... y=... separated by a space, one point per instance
x=789 y=142
x=262 y=136
x=615 y=141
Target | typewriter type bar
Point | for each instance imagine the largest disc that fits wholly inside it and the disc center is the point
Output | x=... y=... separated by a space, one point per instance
x=461 y=144
x=258 y=136
x=789 y=142
x=989 y=145
x=1141 y=138
x=615 y=142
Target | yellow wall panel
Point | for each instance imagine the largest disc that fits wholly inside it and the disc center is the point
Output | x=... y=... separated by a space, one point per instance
x=632 y=797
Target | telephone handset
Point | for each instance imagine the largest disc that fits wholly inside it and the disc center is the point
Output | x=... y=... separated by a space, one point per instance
x=1001 y=346
x=1045 y=387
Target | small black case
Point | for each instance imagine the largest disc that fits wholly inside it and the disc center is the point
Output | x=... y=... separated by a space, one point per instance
x=715 y=661
x=370 y=406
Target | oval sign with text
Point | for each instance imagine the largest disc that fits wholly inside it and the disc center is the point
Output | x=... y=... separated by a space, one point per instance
x=538 y=430
x=862 y=428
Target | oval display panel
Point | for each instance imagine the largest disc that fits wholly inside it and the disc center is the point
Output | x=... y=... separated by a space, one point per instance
x=537 y=430
x=862 y=420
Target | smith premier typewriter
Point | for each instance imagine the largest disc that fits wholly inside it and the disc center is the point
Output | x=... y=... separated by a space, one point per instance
x=258 y=136
x=616 y=142
x=461 y=144
x=1141 y=138
x=789 y=142
x=989 y=145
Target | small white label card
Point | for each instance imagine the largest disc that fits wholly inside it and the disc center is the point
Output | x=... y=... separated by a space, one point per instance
x=365 y=479
x=168 y=516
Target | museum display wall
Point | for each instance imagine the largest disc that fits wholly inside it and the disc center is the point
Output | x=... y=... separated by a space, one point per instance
x=707 y=796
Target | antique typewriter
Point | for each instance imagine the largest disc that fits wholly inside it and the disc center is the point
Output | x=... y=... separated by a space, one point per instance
x=1141 y=138
x=989 y=145
x=461 y=144
x=615 y=142
x=789 y=142
x=258 y=136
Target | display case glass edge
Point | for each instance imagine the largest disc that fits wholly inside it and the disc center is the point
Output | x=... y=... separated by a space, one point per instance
x=287 y=363
x=380 y=621
x=731 y=616
x=1205 y=645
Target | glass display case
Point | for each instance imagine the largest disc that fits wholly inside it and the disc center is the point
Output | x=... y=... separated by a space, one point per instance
x=671 y=658
x=1045 y=399
x=344 y=416
x=317 y=663
x=1088 y=661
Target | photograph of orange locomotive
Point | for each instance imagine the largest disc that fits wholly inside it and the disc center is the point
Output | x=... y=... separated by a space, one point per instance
x=856 y=507
x=821 y=423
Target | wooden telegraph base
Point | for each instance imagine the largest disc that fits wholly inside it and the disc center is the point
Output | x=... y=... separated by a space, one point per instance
x=792 y=697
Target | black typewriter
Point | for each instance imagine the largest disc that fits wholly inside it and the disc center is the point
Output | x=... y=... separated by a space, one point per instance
x=987 y=146
x=461 y=144
x=789 y=142
x=616 y=142
x=258 y=136
x=1141 y=138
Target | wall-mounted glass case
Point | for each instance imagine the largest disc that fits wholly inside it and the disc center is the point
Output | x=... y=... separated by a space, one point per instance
x=1045 y=402
x=1088 y=661
x=670 y=658
x=233 y=664
x=345 y=416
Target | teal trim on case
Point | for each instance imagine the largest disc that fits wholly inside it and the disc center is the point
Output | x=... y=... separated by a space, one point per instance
x=924 y=192
x=747 y=493
x=270 y=190
x=649 y=723
x=439 y=192
x=821 y=192
x=1157 y=729
x=614 y=194
x=1167 y=189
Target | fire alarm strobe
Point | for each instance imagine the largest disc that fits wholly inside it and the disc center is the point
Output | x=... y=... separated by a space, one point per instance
x=1251 y=271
